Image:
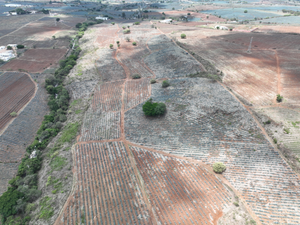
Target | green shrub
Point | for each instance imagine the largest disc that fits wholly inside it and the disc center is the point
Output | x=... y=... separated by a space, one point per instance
x=113 y=23
x=165 y=84
x=127 y=31
x=69 y=133
x=275 y=140
x=134 y=43
x=8 y=201
x=219 y=167
x=183 y=36
x=252 y=222
x=136 y=76
x=124 y=27
x=9 y=48
x=279 y=98
x=153 y=81
x=118 y=42
x=246 y=11
x=137 y=23
x=127 y=39
x=20 y=46
x=111 y=46
x=154 y=108
x=236 y=204
x=54 y=191
x=13 y=114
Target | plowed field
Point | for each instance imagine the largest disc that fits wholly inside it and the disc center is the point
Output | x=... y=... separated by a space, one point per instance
x=16 y=90
x=35 y=60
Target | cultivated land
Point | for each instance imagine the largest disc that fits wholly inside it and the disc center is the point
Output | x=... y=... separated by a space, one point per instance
x=126 y=168
x=204 y=122
x=20 y=131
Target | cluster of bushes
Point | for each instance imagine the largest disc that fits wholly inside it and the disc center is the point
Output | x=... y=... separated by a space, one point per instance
x=151 y=108
x=23 y=188
x=83 y=26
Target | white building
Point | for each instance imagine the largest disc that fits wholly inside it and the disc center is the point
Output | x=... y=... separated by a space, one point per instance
x=13 y=5
x=7 y=55
x=13 y=13
x=12 y=45
x=101 y=18
x=2 y=47
x=166 y=21
x=221 y=27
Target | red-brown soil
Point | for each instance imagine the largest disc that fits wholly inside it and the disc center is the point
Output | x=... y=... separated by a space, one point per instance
x=35 y=60
x=270 y=69
x=16 y=89
x=180 y=191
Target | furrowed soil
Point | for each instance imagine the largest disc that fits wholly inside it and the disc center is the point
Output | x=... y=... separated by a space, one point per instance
x=132 y=169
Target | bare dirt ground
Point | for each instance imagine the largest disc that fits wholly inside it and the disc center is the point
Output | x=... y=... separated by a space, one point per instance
x=131 y=169
x=129 y=187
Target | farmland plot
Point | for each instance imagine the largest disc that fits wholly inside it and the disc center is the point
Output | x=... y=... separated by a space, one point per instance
x=35 y=60
x=181 y=191
x=107 y=189
x=20 y=133
x=16 y=89
x=199 y=125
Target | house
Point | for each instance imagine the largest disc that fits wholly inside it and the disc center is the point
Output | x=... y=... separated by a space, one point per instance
x=2 y=47
x=101 y=18
x=13 y=5
x=166 y=21
x=7 y=55
x=221 y=27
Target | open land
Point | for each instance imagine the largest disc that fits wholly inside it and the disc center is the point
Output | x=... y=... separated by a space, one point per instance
x=197 y=126
x=127 y=168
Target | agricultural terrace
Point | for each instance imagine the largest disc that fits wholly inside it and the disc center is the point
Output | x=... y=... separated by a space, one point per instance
x=161 y=158
x=21 y=131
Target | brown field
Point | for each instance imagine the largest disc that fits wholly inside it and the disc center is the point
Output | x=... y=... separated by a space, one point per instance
x=257 y=77
x=35 y=60
x=16 y=89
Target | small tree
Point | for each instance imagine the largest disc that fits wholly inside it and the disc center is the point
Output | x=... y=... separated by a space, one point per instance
x=279 y=98
x=20 y=46
x=219 y=167
x=113 y=23
x=165 y=84
x=245 y=11
x=9 y=48
x=134 y=43
x=153 y=81
x=124 y=27
x=13 y=114
x=154 y=108
x=183 y=36
x=118 y=42
x=57 y=19
x=111 y=46
x=136 y=76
